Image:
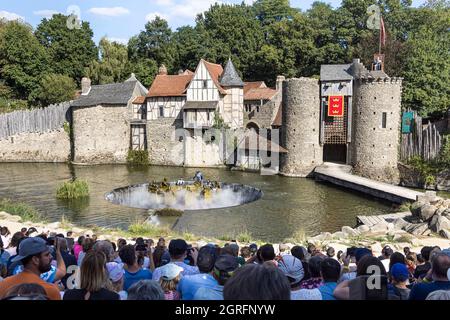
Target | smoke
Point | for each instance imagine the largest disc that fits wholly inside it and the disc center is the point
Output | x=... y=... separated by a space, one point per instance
x=227 y=196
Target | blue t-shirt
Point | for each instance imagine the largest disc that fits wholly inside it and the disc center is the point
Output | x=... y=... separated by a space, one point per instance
x=327 y=290
x=132 y=278
x=48 y=276
x=420 y=291
x=189 y=285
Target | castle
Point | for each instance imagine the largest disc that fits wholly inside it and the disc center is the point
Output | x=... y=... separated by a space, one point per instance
x=212 y=118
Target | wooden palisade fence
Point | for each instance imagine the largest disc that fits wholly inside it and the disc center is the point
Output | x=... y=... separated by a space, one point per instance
x=35 y=120
x=425 y=142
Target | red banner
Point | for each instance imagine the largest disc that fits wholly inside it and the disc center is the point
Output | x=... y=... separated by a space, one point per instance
x=336 y=106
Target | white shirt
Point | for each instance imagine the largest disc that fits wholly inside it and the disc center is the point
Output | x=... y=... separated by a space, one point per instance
x=306 y=294
x=6 y=240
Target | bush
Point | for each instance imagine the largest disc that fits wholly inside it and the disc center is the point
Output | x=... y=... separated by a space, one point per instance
x=24 y=211
x=55 y=88
x=138 y=157
x=73 y=190
x=141 y=228
x=444 y=156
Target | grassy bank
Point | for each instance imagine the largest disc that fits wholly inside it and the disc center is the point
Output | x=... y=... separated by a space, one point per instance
x=73 y=190
x=23 y=210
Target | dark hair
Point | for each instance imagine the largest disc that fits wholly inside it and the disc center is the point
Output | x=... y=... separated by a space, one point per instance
x=267 y=252
x=406 y=251
x=425 y=252
x=157 y=255
x=330 y=269
x=257 y=282
x=88 y=244
x=69 y=233
x=114 y=246
x=26 y=290
x=420 y=258
x=80 y=240
x=23 y=230
x=396 y=257
x=339 y=254
x=206 y=259
x=314 y=266
x=297 y=251
x=128 y=254
x=15 y=240
x=441 y=264
x=27 y=260
x=140 y=241
x=311 y=248
x=330 y=252
x=367 y=261
x=245 y=252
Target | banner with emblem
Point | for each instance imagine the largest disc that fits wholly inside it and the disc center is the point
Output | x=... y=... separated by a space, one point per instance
x=336 y=106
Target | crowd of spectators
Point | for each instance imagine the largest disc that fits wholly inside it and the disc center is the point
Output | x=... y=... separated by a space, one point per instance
x=52 y=266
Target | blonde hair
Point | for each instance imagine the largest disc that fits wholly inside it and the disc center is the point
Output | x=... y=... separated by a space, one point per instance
x=169 y=285
x=93 y=275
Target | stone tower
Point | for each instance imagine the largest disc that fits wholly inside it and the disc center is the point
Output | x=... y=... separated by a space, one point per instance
x=233 y=103
x=376 y=124
x=301 y=127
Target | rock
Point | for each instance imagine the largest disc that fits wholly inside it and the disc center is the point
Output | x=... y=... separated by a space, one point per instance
x=363 y=228
x=339 y=235
x=417 y=229
x=53 y=226
x=440 y=211
x=446 y=213
x=445 y=233
x=350 y=232
x=415 y=208
x=400 y=224
x=427 y=212
x=379 y=227
x=323 y=237
x=390 y=226
x=439 y=223
x=402 y=237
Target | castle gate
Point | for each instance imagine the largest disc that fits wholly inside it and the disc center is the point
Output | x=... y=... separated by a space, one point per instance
x=336 y=112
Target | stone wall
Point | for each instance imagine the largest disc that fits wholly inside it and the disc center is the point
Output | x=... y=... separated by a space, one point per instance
x=375 y=149
x=51 y=146
x=101 y=134
x=301 y=121
x=266 y=114
x=163 y=142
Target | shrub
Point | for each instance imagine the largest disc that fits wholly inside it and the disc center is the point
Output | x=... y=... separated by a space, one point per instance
x=141 y=228
x=73 y=190
x=24 y=211
x=138 y=157
x=55 y=88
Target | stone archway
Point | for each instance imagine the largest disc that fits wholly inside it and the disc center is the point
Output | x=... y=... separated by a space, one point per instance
x=253 y=126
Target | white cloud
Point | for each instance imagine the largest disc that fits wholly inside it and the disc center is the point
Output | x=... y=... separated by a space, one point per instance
x=10 y=16
x=164 y=3
x=45 y=13
x=110 y=12
x=118 y=40
x=190 y=8
x=152 y=15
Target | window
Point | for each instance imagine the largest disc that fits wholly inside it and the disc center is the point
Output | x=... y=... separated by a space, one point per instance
x=205 y=84
x=257 y=108
x=384 y=120
x=161 y=111
x=207 y=115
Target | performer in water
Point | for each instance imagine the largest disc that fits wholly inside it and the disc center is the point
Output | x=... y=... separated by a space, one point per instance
x=198 y=177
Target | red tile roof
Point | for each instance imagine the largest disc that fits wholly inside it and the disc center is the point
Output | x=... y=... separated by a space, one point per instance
x=139 y=100
x=215 y=70
x=260 y=94
x=170 y=85
x=253 y=85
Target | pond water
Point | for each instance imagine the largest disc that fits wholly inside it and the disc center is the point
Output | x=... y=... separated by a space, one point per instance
x=288 y=205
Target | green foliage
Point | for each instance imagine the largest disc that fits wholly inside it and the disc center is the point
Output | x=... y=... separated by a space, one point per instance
x=444 y=156
x=137 y=157
x=23 y=61
x=67 y=128
x=219 y=123
x=73 y=190
x=112 y=66
x=26 y=212
x=244 y=237
x=71 y=50
x=427 y=169
x=55 y=88
x=140 y=228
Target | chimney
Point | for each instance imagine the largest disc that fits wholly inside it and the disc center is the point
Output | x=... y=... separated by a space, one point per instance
x=279 y=85
x=85 y=86
x=180 y=72
x=162 y=70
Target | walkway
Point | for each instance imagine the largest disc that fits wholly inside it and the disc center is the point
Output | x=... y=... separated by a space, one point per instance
x=341 y=175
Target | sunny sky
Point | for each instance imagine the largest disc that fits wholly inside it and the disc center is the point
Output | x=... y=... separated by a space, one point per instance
x=119 y=19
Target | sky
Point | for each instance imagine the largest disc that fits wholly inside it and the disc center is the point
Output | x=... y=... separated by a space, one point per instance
x=119 y=20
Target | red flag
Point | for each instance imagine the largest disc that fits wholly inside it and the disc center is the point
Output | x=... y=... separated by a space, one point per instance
x=336 y=106
x=382 y=32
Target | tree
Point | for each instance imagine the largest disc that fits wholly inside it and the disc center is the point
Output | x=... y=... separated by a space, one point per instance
x=55 y=88
x=154 y=43
x=23 y=61
x=112 y=66
x=71 y=50
x=145 y=70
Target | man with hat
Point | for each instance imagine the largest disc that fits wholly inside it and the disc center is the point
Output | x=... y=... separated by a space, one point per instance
x=223 y=270
x=398 y=289
x=36 y=259
x=178 y=250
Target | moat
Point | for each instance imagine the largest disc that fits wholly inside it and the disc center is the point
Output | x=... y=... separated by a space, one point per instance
x=287 y=206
